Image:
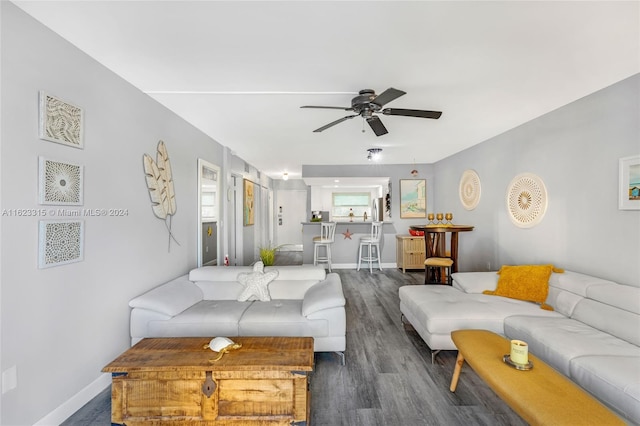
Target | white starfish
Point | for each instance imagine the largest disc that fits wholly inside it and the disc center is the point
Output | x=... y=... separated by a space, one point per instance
x=256 y=283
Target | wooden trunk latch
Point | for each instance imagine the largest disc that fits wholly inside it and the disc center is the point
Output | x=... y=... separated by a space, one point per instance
x=209 y=385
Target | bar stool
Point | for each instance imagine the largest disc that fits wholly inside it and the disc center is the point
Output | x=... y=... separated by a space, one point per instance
x=325 y=239
x=371 y=241
x=432 y=267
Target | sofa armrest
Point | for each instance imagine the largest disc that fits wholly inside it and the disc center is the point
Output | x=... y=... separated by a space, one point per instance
x=170 y=298
x=324 y=295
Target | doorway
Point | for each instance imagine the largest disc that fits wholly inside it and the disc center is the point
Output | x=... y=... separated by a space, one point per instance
x=208 y=213
x=291 y=211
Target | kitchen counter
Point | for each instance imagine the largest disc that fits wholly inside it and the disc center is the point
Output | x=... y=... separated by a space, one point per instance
x=344 y=251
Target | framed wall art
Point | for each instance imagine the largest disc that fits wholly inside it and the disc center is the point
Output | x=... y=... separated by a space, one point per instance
x=249 y=203
x=526 y=200
x=413 y=198
x=60 y=121
x=60 y=242
x=629 y=183
x=469 y=189
x=60 y=183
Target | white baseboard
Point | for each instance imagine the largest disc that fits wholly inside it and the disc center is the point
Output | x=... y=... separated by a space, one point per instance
x=76 y=402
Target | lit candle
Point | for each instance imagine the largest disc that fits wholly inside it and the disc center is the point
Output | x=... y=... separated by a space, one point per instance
x=519 y=352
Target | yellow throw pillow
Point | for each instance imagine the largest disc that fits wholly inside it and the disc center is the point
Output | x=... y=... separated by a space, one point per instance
x=525 y=282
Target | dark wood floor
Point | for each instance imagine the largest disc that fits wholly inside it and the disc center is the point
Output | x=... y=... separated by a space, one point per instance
x=388 y=378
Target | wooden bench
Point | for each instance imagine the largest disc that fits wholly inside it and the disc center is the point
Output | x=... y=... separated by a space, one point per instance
x=541 y=396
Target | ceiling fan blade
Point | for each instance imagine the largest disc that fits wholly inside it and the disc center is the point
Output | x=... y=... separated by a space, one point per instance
x=412 y=113
x=377 y=126
x=333 y=123
x=328 y=107
x=387 y=96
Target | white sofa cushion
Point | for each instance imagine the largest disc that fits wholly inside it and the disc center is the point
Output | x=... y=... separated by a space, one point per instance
x=475 y=282
x=615 y=380
x=290 y=289
x=170 y=298
x=575 y=282
x=621 y=296
x=562 y=301
x=560 y=340
x=217 y=273
x=204 y=319
x=299 y=272
x=220 y=282
x=618 y=322
x=279 y=318
x=323 y=295
x=226 y=273
x=220 y=290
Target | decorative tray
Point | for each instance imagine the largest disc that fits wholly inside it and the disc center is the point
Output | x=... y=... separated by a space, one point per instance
x=524 y=367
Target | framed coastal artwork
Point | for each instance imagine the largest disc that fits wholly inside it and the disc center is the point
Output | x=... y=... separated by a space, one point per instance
x=413 y=198
x=60 y=121
x=629 y=183
x=60 y=242
x=60 y=182
x=249 y=203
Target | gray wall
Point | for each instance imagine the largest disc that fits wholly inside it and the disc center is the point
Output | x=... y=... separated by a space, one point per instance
x=394 y=172
x=61 y=325
x=575 y=150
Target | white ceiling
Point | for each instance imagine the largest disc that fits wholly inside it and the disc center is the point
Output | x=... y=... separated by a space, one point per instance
x=240 y=70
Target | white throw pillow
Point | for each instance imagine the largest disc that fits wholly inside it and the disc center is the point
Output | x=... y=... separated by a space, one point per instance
x=256 y=283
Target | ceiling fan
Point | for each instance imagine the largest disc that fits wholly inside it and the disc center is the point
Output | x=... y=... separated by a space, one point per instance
x=367 y=104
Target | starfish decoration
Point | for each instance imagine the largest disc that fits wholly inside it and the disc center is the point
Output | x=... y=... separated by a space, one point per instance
x=347 y=234
x=256 y=283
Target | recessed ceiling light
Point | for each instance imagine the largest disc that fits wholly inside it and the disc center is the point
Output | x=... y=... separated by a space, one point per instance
x=374 y=154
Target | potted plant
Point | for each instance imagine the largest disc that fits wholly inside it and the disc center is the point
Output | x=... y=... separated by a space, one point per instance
x=268 y=255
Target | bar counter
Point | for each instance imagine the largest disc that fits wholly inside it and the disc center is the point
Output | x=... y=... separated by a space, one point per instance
x=344 y=251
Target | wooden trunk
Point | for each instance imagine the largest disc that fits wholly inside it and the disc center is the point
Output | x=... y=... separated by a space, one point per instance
x=174 y=382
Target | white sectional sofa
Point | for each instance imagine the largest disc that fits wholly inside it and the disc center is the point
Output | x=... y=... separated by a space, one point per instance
x=305 y=301
x=592 y=336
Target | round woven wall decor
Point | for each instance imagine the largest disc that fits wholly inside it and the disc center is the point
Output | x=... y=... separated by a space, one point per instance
x=526 y=200
x=470 y=189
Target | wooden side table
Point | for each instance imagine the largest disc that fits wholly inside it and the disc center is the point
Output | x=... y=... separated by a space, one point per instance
x=410 y=252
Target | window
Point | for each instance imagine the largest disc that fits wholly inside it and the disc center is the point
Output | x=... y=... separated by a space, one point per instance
x=344 y=202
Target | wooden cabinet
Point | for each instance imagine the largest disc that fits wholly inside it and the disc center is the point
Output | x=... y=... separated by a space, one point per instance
x=410 y=252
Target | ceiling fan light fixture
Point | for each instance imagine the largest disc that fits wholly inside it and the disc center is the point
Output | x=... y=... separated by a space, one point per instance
x=374 y=154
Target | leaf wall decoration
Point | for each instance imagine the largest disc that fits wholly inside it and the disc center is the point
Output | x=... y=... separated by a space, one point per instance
x=155 y=183
x=160 y=184
x=165 y=172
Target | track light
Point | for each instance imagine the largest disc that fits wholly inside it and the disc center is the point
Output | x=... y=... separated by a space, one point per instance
x=285 y=176
x=374 y=154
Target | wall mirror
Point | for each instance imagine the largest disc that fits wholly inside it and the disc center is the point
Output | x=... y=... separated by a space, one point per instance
x=208 y=213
